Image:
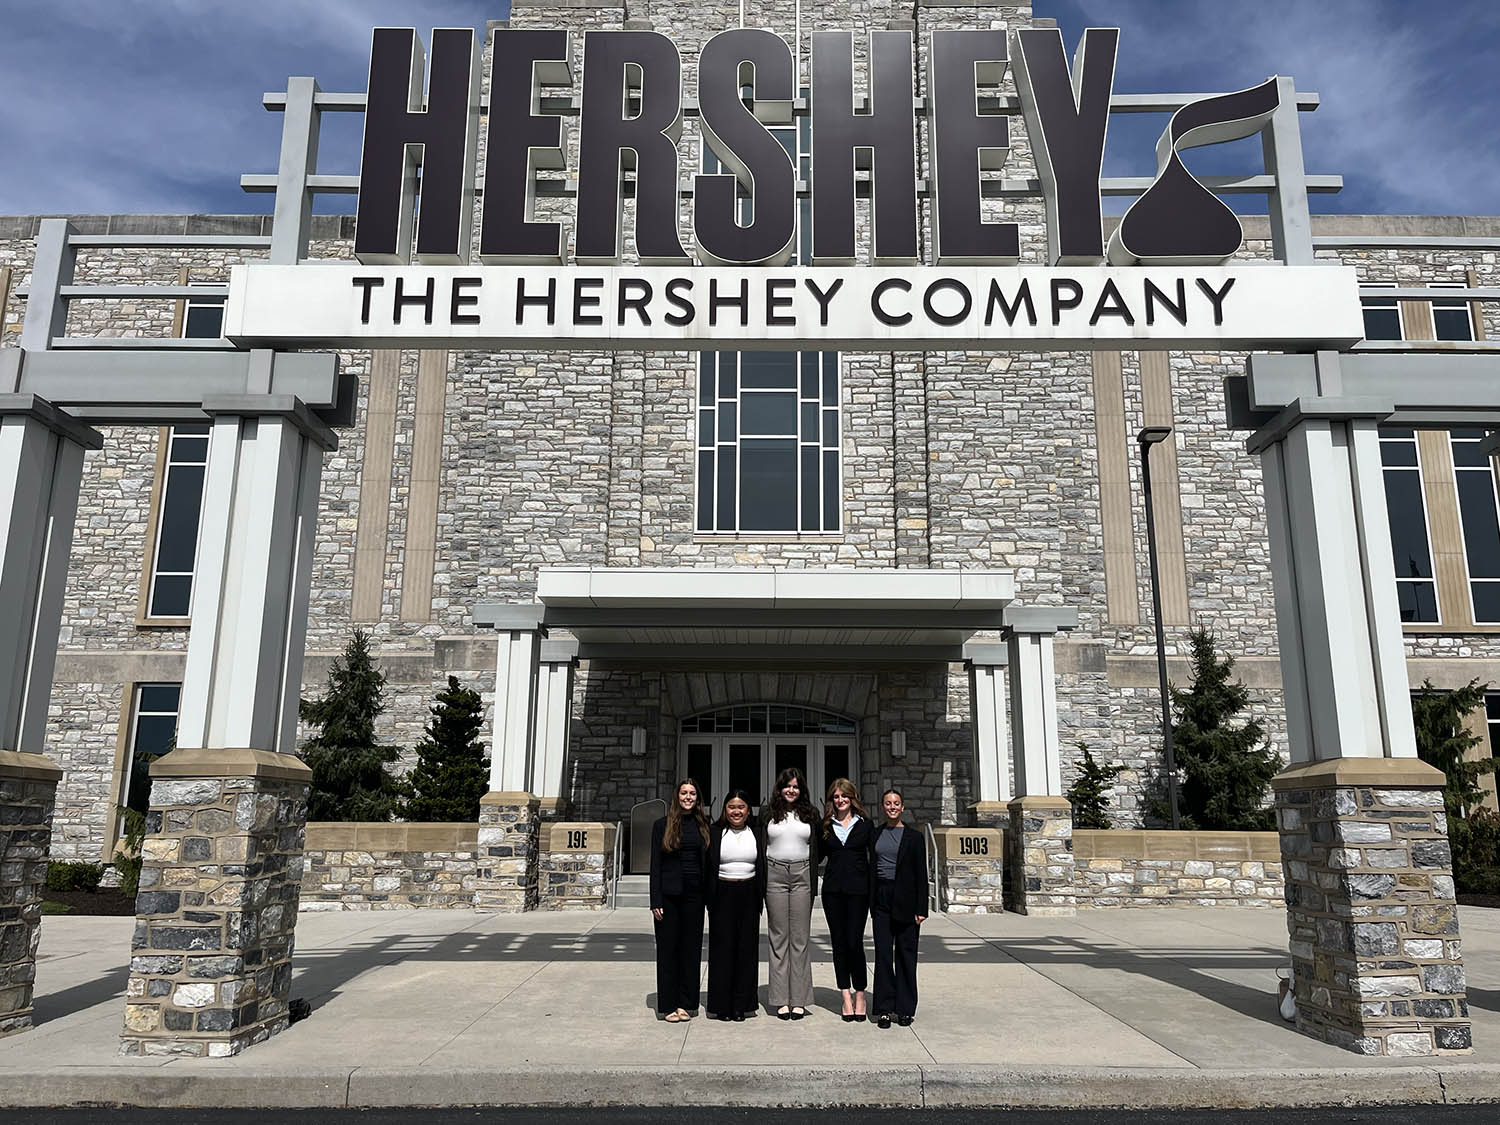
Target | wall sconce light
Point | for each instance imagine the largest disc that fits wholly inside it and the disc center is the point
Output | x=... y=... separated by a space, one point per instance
x=638 y=742
x=898 y=744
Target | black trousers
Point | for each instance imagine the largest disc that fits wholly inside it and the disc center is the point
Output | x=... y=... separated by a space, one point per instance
x=846 y=916
x=895 y=958
x=679 y=952
x=734 y=948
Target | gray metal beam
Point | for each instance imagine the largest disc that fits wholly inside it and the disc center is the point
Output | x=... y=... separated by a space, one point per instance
x=1442 y=390
x=1402 y=242
x=1281 y=147
x=173 y=241
x=292 y=215
x=162 y=386
x=52 y=268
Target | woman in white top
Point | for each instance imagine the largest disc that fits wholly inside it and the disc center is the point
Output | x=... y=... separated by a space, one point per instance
x=736 y=890
x=791 y=833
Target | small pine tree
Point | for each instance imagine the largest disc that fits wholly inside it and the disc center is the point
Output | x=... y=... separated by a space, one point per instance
x=1226 y=770
x=1090 y=791
x=1443 y=741
x=349 y=776
x=450 y=775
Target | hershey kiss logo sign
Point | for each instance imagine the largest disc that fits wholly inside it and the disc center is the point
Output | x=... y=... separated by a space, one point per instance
x=741 y=223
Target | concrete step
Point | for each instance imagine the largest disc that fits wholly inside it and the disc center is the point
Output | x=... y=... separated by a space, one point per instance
x=632 y=892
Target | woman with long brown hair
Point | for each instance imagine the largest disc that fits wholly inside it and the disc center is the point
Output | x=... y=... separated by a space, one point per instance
x=846 y=891
x=791 y=832
x=679 y=849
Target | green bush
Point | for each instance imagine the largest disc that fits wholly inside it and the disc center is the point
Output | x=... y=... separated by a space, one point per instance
x=74 y=876
x=1089 y=794
x=128 y=854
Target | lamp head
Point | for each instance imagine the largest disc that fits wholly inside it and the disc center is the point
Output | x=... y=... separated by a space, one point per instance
x=1151 y=435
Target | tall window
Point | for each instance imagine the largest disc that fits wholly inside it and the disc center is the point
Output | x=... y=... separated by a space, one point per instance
x=171 y=588
x=768 y=422
x=1416 y=588
x=1492 y=718
x=203 y=318
x=1480 y=519
x=153 y=731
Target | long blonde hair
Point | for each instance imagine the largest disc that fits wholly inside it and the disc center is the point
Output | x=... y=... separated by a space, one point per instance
x=846 y=787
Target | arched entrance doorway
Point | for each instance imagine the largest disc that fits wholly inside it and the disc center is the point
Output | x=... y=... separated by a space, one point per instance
x=746 y=746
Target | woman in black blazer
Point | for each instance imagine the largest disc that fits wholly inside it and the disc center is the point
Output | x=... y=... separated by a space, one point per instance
x=736 y=892
x=898 y=907
x=847 y=837
x=679 y=850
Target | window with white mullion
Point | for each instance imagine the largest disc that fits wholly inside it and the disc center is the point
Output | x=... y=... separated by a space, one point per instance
x=153 y=732
x=1452 y=317
x=1383 y=320
x=1479 y=522
x=1411 y=540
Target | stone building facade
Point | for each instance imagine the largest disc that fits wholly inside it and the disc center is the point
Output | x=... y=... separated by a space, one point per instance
x=465 y=474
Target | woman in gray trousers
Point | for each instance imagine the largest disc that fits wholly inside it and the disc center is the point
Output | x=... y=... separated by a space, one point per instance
x=790 y=831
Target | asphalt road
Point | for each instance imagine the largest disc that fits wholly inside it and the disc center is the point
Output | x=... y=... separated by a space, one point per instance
x=1385 y=1115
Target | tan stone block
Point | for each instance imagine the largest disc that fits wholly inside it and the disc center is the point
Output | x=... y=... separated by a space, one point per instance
x=233 y=849
x=142 y=1017
x=155 y=849
x=1216 y=884
x=1186 y=883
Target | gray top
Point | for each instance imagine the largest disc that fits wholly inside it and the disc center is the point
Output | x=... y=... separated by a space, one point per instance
x=887 y=844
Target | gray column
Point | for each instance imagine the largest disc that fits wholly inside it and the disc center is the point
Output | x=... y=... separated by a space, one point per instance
x=41 y=463
x=1040 y=837
x=987 y=662
x=221 y=867
x=1372 y=921
x=554 y=712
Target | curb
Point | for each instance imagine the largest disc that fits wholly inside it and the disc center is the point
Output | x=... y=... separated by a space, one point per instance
x=218 y=1085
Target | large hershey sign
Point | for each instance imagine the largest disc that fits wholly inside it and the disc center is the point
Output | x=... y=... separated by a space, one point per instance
x=631 y=118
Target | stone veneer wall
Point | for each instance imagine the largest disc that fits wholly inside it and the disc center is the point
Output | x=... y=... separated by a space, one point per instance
x=357 y=866
x=1133 y=868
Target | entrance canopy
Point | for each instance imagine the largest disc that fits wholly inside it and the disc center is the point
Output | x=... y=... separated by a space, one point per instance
x=766 y=614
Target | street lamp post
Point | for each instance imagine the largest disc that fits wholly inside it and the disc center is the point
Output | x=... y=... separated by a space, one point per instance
x=1149 y=436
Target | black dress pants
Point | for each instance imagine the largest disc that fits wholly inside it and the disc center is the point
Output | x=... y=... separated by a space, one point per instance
x=734 y=948
x=895 y=958
x=846 y=916
x=679 y=952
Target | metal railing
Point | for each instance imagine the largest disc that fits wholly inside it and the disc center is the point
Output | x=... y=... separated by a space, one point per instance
x=935 y=897
x=614 y=863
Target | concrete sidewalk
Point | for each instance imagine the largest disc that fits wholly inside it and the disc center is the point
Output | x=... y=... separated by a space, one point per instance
x=1113 y=1008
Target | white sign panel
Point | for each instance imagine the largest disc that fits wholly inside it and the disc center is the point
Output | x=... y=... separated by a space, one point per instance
x=551 y=308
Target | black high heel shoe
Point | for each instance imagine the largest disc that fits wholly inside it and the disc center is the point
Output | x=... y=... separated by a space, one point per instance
x=850 y=1018
x=859 y=1017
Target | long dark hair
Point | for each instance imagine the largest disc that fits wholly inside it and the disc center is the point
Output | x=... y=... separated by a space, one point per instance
x=672 y=839
x=735 y=795
x=845 y=786
x=777 y=808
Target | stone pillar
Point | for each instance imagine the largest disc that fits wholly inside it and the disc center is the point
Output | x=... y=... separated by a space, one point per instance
x=510 y=813
x=1374 y=937
x=506 y=875
x=575 y=866
x=987 y=662
x=211 y=961
x=1040 y=836
x=41 y=465
x=1376 y=959
x=221 y=874
x=28 y=786
x=554 y=712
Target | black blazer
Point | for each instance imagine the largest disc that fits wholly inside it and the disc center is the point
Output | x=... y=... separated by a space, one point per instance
x=909 y=897
x=667 y=867
x=716 y=837
x=814 y=853
x=848 y=870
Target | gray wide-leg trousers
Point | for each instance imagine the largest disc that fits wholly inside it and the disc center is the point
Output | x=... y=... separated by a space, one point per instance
x=789 y=923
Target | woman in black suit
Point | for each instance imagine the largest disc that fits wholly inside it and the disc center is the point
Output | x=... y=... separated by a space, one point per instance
x=847 y=837
x=898 y=907
x=679 y=850
x=736 y=892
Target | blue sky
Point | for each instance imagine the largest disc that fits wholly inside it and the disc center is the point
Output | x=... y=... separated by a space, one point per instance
x=154 y=105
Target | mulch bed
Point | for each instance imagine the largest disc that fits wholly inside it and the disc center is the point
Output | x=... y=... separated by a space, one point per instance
x=104 y=901
x=1479 y=900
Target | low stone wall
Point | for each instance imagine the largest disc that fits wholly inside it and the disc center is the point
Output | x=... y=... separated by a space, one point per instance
x=1146 y=868
x=360 y=866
